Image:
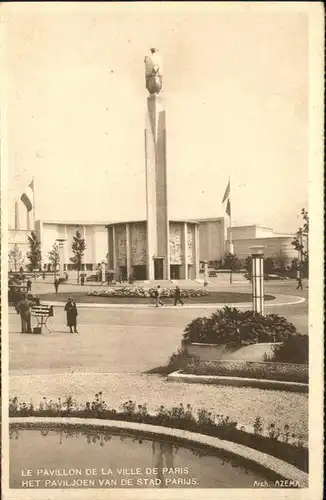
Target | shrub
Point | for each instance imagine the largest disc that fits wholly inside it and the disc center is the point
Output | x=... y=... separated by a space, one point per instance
x=295 y=349
x=232 y=327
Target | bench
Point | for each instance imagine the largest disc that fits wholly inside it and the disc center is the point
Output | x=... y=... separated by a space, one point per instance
x=42 y=313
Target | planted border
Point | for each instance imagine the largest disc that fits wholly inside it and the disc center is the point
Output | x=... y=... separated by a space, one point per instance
x=259 y=370
x=280 y=443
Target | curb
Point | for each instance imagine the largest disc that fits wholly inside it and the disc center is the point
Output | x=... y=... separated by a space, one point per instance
x=209 y=305
x=267 y=462
x=178 y=376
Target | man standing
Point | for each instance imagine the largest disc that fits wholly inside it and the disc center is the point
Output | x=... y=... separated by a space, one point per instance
x=177 y=296
x=56 y=285
x=29 y=285
x=299 y=283
x=24 y=308
x=158 y=295
x=71 y=310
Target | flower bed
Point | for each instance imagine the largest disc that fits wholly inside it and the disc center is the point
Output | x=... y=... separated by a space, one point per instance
x=142 y=292
x=270 y=371
x=280 y=443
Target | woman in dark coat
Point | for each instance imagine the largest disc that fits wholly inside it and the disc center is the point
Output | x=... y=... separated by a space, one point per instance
x=71 y=310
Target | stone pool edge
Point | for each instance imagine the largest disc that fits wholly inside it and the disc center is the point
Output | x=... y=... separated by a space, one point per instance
x=179 y=376
x=279 y=467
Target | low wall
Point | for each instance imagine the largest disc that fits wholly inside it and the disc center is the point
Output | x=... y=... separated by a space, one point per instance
x=225 y=380
x=215 y=352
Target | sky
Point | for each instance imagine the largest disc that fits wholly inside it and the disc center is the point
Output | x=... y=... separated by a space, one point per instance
x=236 y=95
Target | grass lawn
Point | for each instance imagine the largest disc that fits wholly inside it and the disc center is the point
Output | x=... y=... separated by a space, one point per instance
x=218 y=297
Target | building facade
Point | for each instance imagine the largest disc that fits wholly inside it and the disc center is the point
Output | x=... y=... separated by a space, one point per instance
x=128 y=251
x=124 y=245
x=95 y=235
x=212 y=244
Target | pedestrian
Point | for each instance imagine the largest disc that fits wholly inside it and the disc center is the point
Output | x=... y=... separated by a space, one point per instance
x=82 y=280
x=177 y=296
x=29 y=285
x=158 y=295
x=66 y=276
x=71 y=310
x=56 y=285
x=24 y=308
x=43 y=275
x=299 y=283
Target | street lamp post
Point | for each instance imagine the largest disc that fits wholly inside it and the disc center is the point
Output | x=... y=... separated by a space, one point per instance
x=103 y=264
x=205 y=262
x=258 y=279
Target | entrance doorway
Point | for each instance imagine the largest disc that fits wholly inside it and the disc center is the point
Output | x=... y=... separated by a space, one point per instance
x=175 y=272
x=122 y=273
x=158 y=269
x=139 y=273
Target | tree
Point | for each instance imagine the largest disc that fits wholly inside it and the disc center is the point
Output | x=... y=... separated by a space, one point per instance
x=299 y=244
x=54 y=258
x=269 y=266
x=231 y=261
x=281 y=262
x=15 y=257
x=248 y=267
x=215 y=263
x=34 y=255
x=248 y=264
x=78 y=248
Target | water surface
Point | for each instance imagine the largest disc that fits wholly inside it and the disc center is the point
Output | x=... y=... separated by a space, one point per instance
x=90 y=458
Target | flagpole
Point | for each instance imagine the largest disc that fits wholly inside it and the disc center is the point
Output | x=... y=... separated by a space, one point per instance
x=230 y=232
x=231 y=250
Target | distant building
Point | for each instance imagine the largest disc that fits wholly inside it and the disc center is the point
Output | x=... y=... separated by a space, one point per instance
x=276 y=244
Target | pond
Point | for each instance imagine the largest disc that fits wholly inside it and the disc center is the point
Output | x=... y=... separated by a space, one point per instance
x=70 y=457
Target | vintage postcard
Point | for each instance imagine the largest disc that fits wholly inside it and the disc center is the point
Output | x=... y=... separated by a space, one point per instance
x=162 y=256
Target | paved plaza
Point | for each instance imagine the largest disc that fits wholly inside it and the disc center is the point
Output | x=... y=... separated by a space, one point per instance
x=116 y=347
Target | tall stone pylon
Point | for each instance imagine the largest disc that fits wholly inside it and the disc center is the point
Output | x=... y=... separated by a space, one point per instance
x=158 y=262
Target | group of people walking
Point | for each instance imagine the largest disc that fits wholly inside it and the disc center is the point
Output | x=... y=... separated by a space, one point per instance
x=158 y=296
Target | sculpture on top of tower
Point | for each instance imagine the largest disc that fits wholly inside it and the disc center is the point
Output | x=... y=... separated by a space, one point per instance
x=153 y=72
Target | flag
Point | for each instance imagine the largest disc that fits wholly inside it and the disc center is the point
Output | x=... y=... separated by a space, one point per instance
x=28 y=196
x=228 y=208
x=227 y=192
